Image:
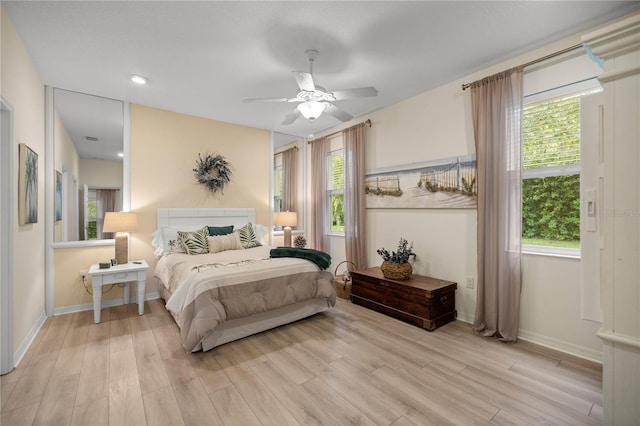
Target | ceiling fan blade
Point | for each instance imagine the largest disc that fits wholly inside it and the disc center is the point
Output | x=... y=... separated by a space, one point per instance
x=338 y=113
x=361 y=92
x=291 y=117
x=272 y=100
x=305 y=81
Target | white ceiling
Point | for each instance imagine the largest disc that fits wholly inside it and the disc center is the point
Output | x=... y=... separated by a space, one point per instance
x=204 y=58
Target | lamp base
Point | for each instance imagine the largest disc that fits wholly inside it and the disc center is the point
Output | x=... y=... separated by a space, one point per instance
x=287 y=236
x=122 y=248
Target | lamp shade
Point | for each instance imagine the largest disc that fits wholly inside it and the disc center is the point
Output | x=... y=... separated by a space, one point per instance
x=286 y=219
x=120 y=222
x=311 y=109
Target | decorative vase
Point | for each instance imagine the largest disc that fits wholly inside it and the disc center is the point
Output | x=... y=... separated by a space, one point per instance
x=396 y=271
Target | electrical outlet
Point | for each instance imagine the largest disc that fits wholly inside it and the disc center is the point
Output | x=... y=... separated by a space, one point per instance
x=470 y=282
x=83 y=274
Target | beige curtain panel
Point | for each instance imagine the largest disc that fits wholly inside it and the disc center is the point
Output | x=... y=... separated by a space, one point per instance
x=289 y=187
x=106 y=201
x=497 y=118
x=354 y=195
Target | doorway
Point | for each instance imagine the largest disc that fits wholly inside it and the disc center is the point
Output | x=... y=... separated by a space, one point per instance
x=6 y=237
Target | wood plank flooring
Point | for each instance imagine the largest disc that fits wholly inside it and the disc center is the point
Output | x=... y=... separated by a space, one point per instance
x=346 y=366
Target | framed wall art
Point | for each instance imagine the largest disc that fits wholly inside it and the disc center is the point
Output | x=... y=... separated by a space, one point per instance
x=446 y=183
x=27 y=186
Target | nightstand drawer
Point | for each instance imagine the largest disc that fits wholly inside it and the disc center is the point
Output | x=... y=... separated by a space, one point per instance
x=116 y=277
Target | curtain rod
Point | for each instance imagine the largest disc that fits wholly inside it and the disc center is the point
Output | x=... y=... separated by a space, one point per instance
x=367 y=121
x=544 y=58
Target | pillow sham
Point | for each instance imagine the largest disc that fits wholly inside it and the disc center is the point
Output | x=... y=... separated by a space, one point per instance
x=247 y=236
x=195 y=242
x=261 y=233
x=218 y=243
x=165 y=239
x=220 y=230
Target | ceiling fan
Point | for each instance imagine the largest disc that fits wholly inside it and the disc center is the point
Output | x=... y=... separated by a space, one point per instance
x=313 y=100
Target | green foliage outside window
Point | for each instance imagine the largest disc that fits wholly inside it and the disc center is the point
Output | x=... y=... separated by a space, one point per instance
x=92 y=231
x=336 y=188
x=551 y=204
x=92 y=228
x=551 y=209
x=337 y=213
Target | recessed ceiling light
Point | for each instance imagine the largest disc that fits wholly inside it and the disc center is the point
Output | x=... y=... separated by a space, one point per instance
x=138 y=79
x=121 y=154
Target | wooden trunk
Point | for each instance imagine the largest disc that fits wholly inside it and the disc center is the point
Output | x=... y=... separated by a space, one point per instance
x=423 y=301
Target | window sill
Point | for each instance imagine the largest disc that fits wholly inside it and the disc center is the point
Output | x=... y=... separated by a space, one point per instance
x=567 y=253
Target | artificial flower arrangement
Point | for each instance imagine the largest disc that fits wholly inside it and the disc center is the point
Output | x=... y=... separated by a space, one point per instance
x=402 y=255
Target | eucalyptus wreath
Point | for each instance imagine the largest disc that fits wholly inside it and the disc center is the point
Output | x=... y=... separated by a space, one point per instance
x=213 y=171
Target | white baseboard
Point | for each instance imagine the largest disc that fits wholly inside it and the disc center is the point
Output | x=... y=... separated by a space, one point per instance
x=105 y=304
x=552 y=343
x=28 y=340
x=562 y=346
x=464 y=318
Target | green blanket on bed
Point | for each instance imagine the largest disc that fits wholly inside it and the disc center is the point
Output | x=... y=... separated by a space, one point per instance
x=320 y=258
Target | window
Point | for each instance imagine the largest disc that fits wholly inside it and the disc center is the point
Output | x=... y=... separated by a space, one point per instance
x=551 y=173
x=278 y=186
x=335 y=190
x=92 y=226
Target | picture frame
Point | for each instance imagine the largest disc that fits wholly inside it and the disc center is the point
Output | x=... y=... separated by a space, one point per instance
x=27 y=185
x=58 y=196
x=444 y=183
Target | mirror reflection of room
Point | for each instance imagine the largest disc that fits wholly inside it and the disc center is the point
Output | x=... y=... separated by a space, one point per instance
x=88 y=151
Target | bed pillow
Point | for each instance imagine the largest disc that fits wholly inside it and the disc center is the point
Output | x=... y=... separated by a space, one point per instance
x=218 y=243
x=165 y=239
x=261 y=233
x=220 y=230
x=195 y=242
x=247 y=236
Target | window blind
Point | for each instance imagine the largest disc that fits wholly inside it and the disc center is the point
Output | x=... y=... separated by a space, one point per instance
x=551 y=133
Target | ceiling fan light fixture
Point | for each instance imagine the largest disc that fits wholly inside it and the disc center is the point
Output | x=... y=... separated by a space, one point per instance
x=311 y=109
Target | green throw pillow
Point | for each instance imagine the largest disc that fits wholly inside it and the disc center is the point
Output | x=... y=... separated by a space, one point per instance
x=195 y=242
x=247 y=236
x=220 y=230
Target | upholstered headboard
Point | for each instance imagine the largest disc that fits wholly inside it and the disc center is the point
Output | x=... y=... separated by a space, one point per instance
x=205 y=217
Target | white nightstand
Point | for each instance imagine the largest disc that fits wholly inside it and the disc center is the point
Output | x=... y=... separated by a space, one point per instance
x=132 y=271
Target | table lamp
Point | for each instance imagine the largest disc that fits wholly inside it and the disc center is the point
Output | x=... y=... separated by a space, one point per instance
x=121 y=223
x=286 y=219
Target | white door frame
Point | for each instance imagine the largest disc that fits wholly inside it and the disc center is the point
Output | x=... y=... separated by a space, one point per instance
x=7 y=220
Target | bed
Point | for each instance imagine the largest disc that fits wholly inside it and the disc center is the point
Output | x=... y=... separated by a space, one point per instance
x=219 y=297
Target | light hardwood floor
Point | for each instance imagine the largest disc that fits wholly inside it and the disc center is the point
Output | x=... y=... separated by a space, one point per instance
x=347 y=366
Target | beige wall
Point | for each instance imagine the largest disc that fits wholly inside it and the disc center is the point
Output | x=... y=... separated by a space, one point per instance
x=437 y=124
x=23 y=89
x=100 y=173
x=70 y=291
x=164 y=149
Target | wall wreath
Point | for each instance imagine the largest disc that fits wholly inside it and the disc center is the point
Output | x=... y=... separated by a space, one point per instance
x=213 y=171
